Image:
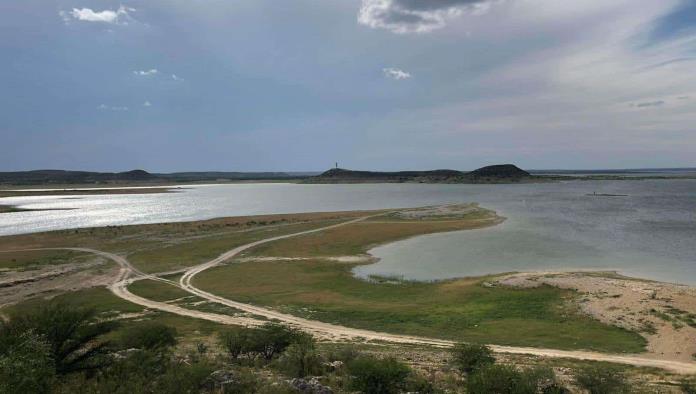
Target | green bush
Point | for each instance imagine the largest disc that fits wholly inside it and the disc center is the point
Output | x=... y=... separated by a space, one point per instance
x=378 y=376
x=73 y=335
x=237 y=342
x=267 y=341
x=688 y=386
x=602 y=379
x=469 y=358
x=149 y=336
x=419 y=384
x=301 y=359
x=26 y=365
x=245 y=382
x=504 y=379
x=144 y=371
x=273 y=339
x=345 y=353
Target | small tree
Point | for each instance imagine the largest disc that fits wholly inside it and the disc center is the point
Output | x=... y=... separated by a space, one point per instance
x=469 y=358
x=236 y=342
x=267 y=341
x=602 y=380
x=272 y=339
x=149 y=336
x=301 y=358
x=73 y=335
x=504 y=379
x=378 y=376
x=26 y=365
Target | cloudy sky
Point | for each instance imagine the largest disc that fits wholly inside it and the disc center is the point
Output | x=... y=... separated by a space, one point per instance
x=170 y=85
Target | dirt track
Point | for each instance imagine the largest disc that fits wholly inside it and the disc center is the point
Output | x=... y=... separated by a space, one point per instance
x=128 y=274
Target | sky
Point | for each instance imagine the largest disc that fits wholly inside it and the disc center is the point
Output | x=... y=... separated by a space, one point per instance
x=268 y=85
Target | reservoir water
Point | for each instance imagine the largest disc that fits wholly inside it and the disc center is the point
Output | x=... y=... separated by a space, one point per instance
x=647 y=231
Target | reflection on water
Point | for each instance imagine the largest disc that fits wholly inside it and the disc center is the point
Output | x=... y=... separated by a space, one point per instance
x=649 y=232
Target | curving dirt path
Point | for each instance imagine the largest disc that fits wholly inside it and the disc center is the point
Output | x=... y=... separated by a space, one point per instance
x=129 y=274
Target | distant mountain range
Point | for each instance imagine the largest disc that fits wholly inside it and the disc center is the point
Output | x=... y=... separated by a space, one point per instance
x=501 y=173
x=41 y=177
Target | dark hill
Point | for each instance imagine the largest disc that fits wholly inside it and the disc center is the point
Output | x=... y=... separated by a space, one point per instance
x=58 y=177
x=499 y=171
x=343 y=174
x=71 y=177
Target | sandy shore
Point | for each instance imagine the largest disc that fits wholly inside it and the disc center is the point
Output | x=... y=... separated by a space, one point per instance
x=663 y=313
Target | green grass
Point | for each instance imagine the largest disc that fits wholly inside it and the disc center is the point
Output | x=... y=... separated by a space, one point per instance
x=98 y=298
x=359 y=237
x=196 y=251
x=169 y=246
x=458 y=309
x=39 y=258
x=108 y=306
x=157 y=291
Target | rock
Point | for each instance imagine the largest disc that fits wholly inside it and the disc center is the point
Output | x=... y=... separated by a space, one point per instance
x=311 y=386
x=334 y=365
x=219 y=379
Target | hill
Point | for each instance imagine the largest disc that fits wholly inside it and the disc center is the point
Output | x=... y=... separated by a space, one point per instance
x=72 y=177
x=501 y=173
x=63 y=177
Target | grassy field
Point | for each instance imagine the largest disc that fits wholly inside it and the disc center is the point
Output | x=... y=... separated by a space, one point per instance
x=459 y=309
x=359 y=237
x=39 y=258
x=170 y=246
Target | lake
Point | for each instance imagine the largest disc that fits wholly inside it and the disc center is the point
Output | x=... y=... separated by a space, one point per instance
x=649 y=232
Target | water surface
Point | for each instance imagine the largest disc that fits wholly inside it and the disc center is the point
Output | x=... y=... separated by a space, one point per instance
x=650 y=232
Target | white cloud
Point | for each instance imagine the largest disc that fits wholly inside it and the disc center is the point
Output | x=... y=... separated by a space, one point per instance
x=416 y=16
x=119 y=16
x=147 y=104
x=174 y=77
x=146 y=73
x=395 y=73
x=105 y=107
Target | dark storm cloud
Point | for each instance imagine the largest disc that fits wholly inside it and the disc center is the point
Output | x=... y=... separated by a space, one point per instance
x=408 y=16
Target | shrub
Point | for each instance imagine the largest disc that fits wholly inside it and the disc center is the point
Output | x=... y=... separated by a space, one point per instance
x=602 y=380
x=419 y=384
x=149 y=336
x=237 y=342
x=469 y=358
x=272 y=339
x=244 y=382
x=504 y=379
x=71 y=332
x=144 y=371
x=267 y=341
x=688 y=386
x=378 y=376
x=345 y=354
x=26 y=365
x=301 y=359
